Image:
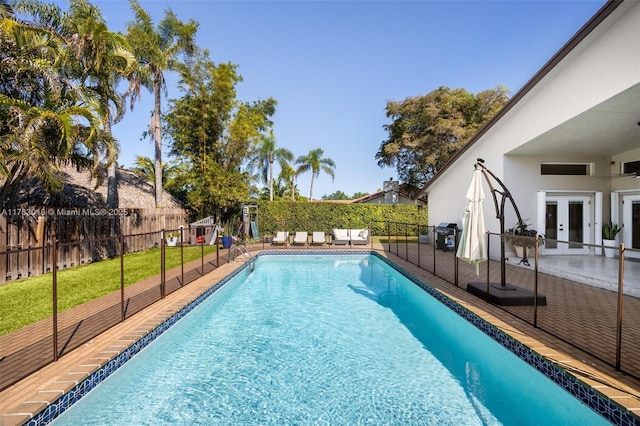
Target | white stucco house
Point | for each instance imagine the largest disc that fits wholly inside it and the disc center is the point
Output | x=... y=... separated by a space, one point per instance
x=567 y=145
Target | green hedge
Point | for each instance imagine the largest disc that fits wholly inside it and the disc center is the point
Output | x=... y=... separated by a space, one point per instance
x=292 y=216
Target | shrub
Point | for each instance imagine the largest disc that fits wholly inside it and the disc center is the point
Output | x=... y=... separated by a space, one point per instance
x=290 y=216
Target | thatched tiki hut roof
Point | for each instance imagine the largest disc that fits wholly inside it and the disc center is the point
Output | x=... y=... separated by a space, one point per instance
x=81 y=190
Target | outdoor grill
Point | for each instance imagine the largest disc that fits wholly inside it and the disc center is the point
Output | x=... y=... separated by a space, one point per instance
x=445 y=236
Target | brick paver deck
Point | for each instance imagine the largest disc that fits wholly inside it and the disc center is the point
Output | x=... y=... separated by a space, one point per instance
x=564 y=317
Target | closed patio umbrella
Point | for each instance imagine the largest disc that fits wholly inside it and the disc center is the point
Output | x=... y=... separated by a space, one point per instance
x=472 y=246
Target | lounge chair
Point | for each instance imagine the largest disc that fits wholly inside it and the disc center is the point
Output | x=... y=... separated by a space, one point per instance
x=280 y=238
x=318 y=238
x=300 y=238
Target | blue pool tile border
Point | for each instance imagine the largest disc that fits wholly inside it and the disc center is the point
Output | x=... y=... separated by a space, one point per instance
x=607 y=408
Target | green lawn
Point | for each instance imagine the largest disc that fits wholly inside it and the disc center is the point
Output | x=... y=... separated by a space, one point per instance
x=26 y=301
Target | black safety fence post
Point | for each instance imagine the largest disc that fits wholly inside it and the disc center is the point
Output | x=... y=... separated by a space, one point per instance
x=202 y=255
x=181 y=255
x=455 y=255
x=406 y=241
x=535 y=282
x=121 y=277
x=435 y=247
x=54 y=281
x=163 y=265
x=620 y=299
x=397 y=242
x=488 y=260
x=418 y=246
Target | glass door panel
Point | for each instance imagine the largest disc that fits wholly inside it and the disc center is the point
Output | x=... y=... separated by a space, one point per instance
x=551 y=225
x=635 y=225
x=631 y=224
x=567 y=225
x=576 y=224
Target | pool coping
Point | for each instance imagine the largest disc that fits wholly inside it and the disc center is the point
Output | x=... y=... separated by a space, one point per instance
x=602 y=404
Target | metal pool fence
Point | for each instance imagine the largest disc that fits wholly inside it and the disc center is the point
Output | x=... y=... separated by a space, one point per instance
x=601 y=317
x=32 y=347
x=598 y=313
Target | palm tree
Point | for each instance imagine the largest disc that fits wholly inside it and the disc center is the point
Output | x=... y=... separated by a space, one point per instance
x=157 y=50
x=105 y=58
x=5 y=9
x=48 y=117
x=145 y=167
x=315 y=162
x=279 y=188
x=288 y=176
x=266 y=154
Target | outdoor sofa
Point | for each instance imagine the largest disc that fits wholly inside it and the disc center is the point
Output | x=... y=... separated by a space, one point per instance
x=350 y=236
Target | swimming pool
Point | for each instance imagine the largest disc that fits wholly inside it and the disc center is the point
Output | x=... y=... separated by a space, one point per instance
x=327 y=340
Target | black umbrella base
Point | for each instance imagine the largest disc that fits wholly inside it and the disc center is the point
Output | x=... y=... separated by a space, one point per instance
x=507 y=295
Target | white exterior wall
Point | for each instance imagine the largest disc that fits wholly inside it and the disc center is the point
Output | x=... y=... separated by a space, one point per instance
x=625 y=183
x=605 y=63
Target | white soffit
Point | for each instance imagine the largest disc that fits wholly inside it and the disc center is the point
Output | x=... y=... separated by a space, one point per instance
x=607 y=129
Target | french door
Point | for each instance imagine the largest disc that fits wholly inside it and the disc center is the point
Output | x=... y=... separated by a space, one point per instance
x=631 y=224
x=567 y=219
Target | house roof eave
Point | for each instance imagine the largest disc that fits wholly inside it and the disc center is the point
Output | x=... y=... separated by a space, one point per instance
x=578 y=37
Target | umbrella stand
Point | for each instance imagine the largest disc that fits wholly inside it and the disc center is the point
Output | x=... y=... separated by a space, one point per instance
x=505 y=294
x=505 y=193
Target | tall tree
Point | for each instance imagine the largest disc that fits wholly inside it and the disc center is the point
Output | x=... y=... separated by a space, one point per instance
x=105 y=59
x=288 y=175
x=426 y=131
x=145 y=167
x=211 y=133
x=278 y=192
x=338 y=195
x=316 y=163
x=265 y=154
x=5 y=9
x=158 y=50
x=48 y=116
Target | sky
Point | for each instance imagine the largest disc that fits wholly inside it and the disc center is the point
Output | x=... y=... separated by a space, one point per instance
x=333 y=65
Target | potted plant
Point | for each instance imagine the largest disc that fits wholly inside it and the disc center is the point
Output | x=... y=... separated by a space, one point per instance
x=522 y=236
x=172 y=238
x=609 y=232
x=423 y=234
x=227 y=239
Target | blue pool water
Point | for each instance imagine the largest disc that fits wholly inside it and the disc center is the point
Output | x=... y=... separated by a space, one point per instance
x=325 y=340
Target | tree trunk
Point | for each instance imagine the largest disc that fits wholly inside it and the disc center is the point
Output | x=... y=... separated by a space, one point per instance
x=157 y=136
x=311 y=190
x=270 y=179
x=112 y=180
x=293 y=188
x=112 y=187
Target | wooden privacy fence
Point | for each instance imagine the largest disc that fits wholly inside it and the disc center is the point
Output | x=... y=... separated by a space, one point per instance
x=26 y=236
